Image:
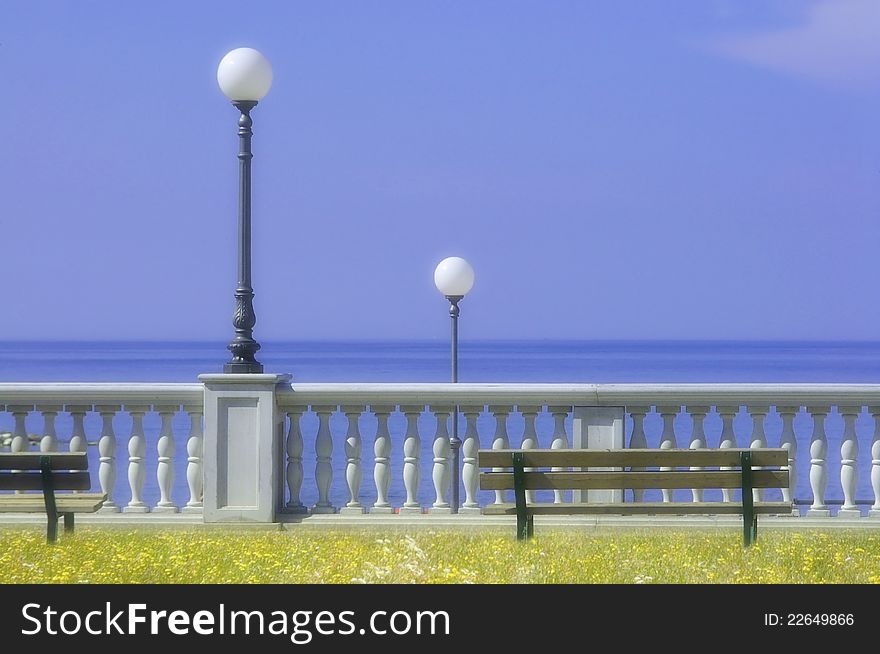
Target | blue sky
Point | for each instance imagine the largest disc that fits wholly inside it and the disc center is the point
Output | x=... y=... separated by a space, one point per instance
x=689 y=170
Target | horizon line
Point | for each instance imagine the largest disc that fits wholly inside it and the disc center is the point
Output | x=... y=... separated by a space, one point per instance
x=442 y=341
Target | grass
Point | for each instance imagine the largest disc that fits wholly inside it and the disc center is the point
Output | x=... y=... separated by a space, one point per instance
x=304 y=556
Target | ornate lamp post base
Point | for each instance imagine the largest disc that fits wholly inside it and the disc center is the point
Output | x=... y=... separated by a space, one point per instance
x=242 y=367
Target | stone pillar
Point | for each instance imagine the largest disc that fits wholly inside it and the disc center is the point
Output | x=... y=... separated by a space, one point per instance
x=598 y=428
x=243 y=447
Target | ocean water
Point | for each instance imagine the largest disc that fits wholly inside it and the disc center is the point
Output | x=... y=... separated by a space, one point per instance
x=509 y=361
x=533 y=361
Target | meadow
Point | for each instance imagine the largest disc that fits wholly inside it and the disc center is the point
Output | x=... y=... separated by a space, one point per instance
x=95 y=555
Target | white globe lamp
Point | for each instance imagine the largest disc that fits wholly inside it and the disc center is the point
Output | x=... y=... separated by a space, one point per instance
x=454 y=277
x=244 y=74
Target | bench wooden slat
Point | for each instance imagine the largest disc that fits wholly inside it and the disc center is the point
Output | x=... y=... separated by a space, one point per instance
x=611 y=480
x=33 y=503
x=637 y=458
x=33 y=480
x=31 y=460
x=641 y=508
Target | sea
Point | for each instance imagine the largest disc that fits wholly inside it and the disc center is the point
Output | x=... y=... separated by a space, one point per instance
x=479 y=361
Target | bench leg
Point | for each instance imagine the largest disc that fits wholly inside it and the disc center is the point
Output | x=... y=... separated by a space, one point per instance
x=522 y=529
x=750 y=518
x=530 y=526
x=52 y=529
x=68 y=523
x=523 y=519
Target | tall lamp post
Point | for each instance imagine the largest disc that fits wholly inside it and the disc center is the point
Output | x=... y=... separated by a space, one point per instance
x=454 y=277
x=245 y=76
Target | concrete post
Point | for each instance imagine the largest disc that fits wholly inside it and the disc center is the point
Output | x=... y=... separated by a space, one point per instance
x=243 y=444
x=598 y=428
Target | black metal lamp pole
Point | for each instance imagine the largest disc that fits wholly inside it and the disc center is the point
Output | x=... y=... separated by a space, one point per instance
x=243 y=346
x=454 y=441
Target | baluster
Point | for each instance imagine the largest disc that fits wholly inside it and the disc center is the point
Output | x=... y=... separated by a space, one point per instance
x=323 y=456
x=849 y=455
x=698 y=441
x=441 y=472
x=49 y=442
x=559 y=442
x=727 y=441
x=875 y=462
x=759 y=439
x=78 y=441
x=165 y=450
x=107 y=456
x=529 y=438
x=501 y=440
x=20 y=442
x=194 y=477
x=638 y=441
x=788 y=442
x=667 y=438
x=818 y=452
x=382 y=460
x=411 y=448
x=353 y=473
x=295 y=475
x=137 y=469
x=470 y=472
x=78 y=434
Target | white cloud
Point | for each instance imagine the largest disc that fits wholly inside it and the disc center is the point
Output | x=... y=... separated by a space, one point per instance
x=838 y=42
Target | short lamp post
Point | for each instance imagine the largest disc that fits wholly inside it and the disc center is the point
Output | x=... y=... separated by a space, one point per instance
x=245 y=76
x=454 y=278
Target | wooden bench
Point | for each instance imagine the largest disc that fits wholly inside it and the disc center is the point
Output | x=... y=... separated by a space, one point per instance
x=746 y=470
x=48 y=472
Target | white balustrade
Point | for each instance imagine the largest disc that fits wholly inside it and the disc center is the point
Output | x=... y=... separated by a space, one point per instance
x=382 y=460
x=353 y=473
x=501 y=441
x=440 y=474
x=294 y=449
x=107 y=458
x=818 y=471
x=323 y=457
x=431 y=460
x=194 y=474
x=667 y=438
x=470 y=472
x=559 y=442
x=698 y=441
x=52 y=400
x=137 y=467
x=411 y=451
x=849 y=455
x=638 y=440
